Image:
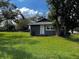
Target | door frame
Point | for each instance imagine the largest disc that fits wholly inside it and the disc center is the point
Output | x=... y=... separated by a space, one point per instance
x=42 y=30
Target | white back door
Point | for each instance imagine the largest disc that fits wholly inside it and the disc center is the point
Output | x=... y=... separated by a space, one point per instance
x=42 y=32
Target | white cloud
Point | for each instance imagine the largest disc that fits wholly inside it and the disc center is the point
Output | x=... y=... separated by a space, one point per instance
x=29 y=12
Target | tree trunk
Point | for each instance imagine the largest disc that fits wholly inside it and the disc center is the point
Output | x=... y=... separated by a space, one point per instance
x=57 y=26
x=57 y=23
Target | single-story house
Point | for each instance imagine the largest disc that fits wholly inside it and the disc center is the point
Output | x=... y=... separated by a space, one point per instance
x=42 y=28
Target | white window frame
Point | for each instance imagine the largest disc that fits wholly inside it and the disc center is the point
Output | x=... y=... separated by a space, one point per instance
x=49 y=28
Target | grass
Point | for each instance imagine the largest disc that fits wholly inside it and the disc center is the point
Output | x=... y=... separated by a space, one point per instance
x=20 y=45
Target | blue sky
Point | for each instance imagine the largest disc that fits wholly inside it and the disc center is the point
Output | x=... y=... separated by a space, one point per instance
x=38 y=5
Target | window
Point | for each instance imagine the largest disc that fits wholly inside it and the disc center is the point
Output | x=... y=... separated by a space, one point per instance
x=49 y=28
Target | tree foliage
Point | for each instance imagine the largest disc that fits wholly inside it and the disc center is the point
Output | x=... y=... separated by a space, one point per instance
x=9 y=12
x=66 y=13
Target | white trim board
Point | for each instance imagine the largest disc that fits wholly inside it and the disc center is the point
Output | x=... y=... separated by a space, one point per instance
x=42 y=31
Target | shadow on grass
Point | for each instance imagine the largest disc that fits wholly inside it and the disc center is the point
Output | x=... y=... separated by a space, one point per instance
x=74 y=39
x=14 y=53
x=1 y=34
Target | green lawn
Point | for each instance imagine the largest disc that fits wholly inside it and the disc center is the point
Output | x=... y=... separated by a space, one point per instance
x=20 y=45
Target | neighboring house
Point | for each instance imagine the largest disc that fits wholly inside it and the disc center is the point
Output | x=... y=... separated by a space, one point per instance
x=42 y=28
x=7 y=24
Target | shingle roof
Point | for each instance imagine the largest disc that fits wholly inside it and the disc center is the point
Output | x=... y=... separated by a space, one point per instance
x=41 y=23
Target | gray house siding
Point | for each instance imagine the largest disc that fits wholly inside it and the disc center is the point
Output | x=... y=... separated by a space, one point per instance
x=50 y=32
x=35 y=29
x=42 y=29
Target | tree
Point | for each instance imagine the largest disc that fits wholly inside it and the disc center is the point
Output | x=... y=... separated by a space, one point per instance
x=54 y=7
x=9 y=12
x=22 y=25
x=66 y=14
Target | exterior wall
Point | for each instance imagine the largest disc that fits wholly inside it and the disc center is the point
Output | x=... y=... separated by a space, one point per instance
x=35 y=29
x=49 y=32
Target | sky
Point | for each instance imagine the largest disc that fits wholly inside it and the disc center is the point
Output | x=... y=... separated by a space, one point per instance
x=31 y=7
